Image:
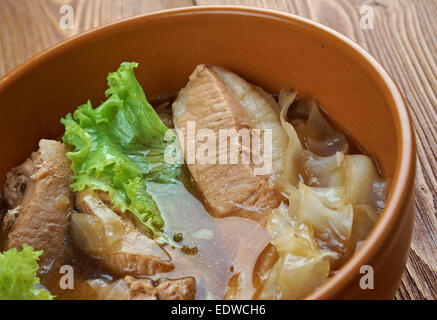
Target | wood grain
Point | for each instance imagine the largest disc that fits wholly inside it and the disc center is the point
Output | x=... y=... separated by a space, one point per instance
x=29 y=26
x=404 y=40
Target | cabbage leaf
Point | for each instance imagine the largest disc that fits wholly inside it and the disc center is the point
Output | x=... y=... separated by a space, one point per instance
x=302 y=266
x=121 y=145
x=333 y=202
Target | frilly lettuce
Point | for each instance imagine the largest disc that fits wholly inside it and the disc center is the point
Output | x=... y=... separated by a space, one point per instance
x=119 y=146
x=18 y=280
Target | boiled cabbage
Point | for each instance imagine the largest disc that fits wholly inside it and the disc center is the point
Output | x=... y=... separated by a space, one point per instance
x=294 y=153
x=357 y=173
x=302 y=266
x=316 y=133
x=364 y=184
x=323 y=171
x=334 y=200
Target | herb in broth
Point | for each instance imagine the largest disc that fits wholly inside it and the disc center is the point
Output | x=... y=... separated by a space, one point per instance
x=178 y=237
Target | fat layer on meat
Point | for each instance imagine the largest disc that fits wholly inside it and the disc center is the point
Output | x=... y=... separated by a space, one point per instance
x=40 y=199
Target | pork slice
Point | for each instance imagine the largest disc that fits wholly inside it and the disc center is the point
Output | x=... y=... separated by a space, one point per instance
x=40 y=199
x=229 y=189
x=16 y=183
x=140 y=289
x=130 y=288
x=115 y=240
x=179 y=289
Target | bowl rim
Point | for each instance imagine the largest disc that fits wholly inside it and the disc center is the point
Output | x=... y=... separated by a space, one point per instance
x=403 y=179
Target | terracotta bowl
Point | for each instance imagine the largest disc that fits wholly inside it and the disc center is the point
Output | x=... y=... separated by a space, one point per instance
x=271 y=49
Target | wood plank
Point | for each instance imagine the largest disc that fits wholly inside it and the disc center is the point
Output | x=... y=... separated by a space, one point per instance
x=29 y=26
x=404 y=41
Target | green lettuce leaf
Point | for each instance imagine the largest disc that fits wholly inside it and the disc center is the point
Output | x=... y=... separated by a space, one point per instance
x=18 y=280
x=119 y=147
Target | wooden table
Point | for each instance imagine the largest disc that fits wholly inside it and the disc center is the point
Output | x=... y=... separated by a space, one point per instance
x=404 y=40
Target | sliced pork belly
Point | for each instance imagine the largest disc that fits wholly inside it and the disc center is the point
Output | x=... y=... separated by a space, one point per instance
x=218 y=99
x=264 y=110
x=115 y=240
x=130 y=288
x=40 y=199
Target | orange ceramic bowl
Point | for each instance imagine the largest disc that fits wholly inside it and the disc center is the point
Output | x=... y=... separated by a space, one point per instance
x=271 y=49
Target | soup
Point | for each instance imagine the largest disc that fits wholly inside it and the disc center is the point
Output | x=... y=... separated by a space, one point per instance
x=223 y=191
